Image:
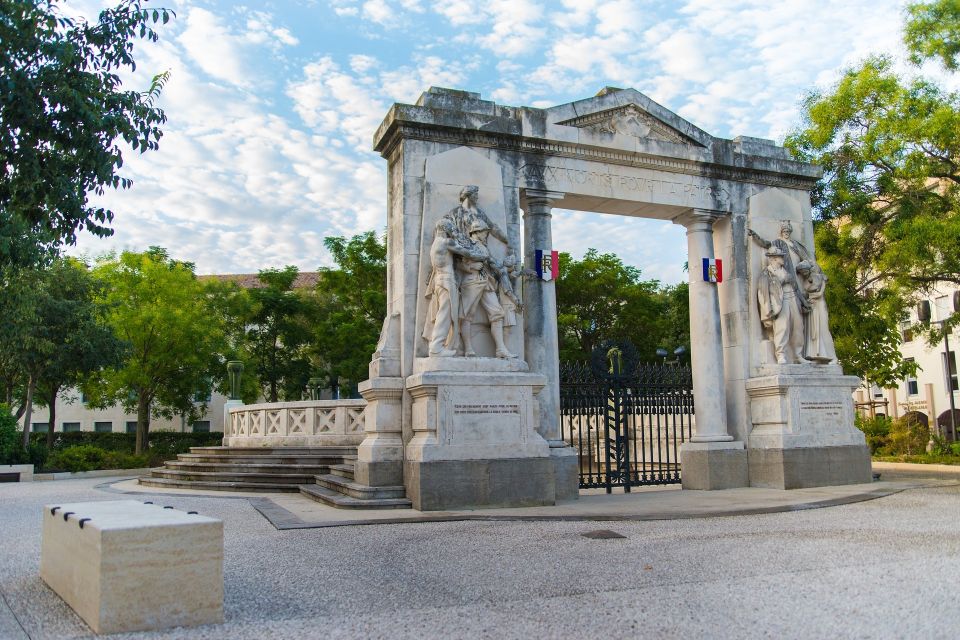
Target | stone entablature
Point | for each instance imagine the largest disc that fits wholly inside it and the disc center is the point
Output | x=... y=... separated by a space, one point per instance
x=307 y=423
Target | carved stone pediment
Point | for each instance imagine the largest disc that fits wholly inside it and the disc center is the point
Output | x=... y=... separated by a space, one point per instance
x=630 y=120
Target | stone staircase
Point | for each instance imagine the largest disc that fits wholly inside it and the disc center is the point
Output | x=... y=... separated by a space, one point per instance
x=324 y=474
x=248 y=469
x=339 y=489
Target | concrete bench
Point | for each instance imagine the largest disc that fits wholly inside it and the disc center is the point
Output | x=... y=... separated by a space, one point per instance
x=16 y=472
x=129 y=566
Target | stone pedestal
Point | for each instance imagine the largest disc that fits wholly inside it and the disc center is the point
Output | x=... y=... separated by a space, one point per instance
x=803 y=433
x=709 y=466
x=475 y=442
x=123 y=565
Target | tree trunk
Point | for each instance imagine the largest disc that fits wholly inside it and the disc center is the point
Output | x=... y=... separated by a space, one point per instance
x=52 y=420
x=28 y=410
x=143 y=423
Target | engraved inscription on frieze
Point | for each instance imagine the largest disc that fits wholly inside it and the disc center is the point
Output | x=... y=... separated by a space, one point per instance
x=684 y=191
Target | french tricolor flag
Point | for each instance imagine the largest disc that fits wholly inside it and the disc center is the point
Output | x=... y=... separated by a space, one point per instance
x=547 y=264
x=712 y=270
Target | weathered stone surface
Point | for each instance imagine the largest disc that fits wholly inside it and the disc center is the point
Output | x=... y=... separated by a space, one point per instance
x=134 y=566
x=463 y=484
x=305 y=423
x=713 y=466
x=800 y=468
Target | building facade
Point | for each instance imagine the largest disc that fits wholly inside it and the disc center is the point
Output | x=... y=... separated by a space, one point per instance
x=933 y=393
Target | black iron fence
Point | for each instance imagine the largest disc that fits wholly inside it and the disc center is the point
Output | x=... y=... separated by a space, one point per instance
x=627 y=420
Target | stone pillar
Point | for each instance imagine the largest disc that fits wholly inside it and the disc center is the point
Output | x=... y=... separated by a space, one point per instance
x=712 y=459
x=380 y=455
x=894 y=410
x=542 y=348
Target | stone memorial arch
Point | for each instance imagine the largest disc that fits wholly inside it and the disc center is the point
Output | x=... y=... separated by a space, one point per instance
x=463 y=394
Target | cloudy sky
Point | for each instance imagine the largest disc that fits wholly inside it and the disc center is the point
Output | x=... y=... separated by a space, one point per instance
x=272 y=105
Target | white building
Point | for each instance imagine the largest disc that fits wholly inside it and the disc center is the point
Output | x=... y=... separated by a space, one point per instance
x=927 y=395
x=74 y=415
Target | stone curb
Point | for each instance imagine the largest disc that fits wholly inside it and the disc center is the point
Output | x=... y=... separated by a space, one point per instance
x=283 y=519
x=99 y=473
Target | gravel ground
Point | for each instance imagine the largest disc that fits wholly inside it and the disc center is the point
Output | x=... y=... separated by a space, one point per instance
x=886 y=568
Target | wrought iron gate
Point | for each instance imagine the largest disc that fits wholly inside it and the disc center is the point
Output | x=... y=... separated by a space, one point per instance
x=627 y=420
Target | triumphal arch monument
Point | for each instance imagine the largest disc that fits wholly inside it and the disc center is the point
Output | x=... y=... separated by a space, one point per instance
x=463 y=393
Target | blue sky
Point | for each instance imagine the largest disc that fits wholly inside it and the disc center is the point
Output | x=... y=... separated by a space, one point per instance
x=272 y=105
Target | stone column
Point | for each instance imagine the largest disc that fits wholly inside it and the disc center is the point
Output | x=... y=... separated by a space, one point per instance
x=542 y=348
x=712 y=459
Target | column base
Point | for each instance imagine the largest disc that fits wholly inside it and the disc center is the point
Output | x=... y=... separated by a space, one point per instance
x=809 y=467
x=378 y=474
x=444 y=485
x=566 y=472
x=709 y=466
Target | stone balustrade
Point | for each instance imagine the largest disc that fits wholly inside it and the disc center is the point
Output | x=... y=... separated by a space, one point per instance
x=307 y=423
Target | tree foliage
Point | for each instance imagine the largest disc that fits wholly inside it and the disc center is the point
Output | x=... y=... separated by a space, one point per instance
x=599 y=297
x=176 y=339
x=933 y=32
x=352 y=302
x=888 y=206
x=63 y=118
x=277 y=332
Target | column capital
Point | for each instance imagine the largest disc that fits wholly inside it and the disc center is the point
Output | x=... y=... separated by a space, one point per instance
x=540 y=197
x=699 y=219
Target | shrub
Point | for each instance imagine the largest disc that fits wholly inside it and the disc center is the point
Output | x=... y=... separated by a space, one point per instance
x=955 y=448
x=907 y=437
x=82 y=457
x=11 y=447
x=876 y=430
x=121 y=460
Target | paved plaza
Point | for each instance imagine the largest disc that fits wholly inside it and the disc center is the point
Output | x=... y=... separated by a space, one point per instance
x=885 y=567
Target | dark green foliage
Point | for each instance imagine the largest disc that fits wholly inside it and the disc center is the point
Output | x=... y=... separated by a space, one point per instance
x=352 y=302
x=11 y=450
x=888 y=205
x=63 y=118
x=599 y=297
x=278 y=328
x=87 y=457
x=164 y=445
x=876 y=430
x=11 y=445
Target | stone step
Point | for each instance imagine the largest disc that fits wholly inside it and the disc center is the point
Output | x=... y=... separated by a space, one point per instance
x=257 y=487
x=276 y=460
x=344 y=470
x=359 y=491
x=337 y=450
x=334 y=499
x=235 y=467
x=236 y=477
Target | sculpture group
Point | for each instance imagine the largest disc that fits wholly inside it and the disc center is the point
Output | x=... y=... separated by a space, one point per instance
x=465 y=278
x=790 y=293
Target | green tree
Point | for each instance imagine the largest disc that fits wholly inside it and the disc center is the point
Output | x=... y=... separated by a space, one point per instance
x=352 y=302
x=599 y=297
x=176 y=338
x=888 y=207
x=933 y=32
x=277 y=332
x=76 y=338
x=63 y=118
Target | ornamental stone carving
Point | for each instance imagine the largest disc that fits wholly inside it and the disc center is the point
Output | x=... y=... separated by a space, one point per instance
x=466 y=278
